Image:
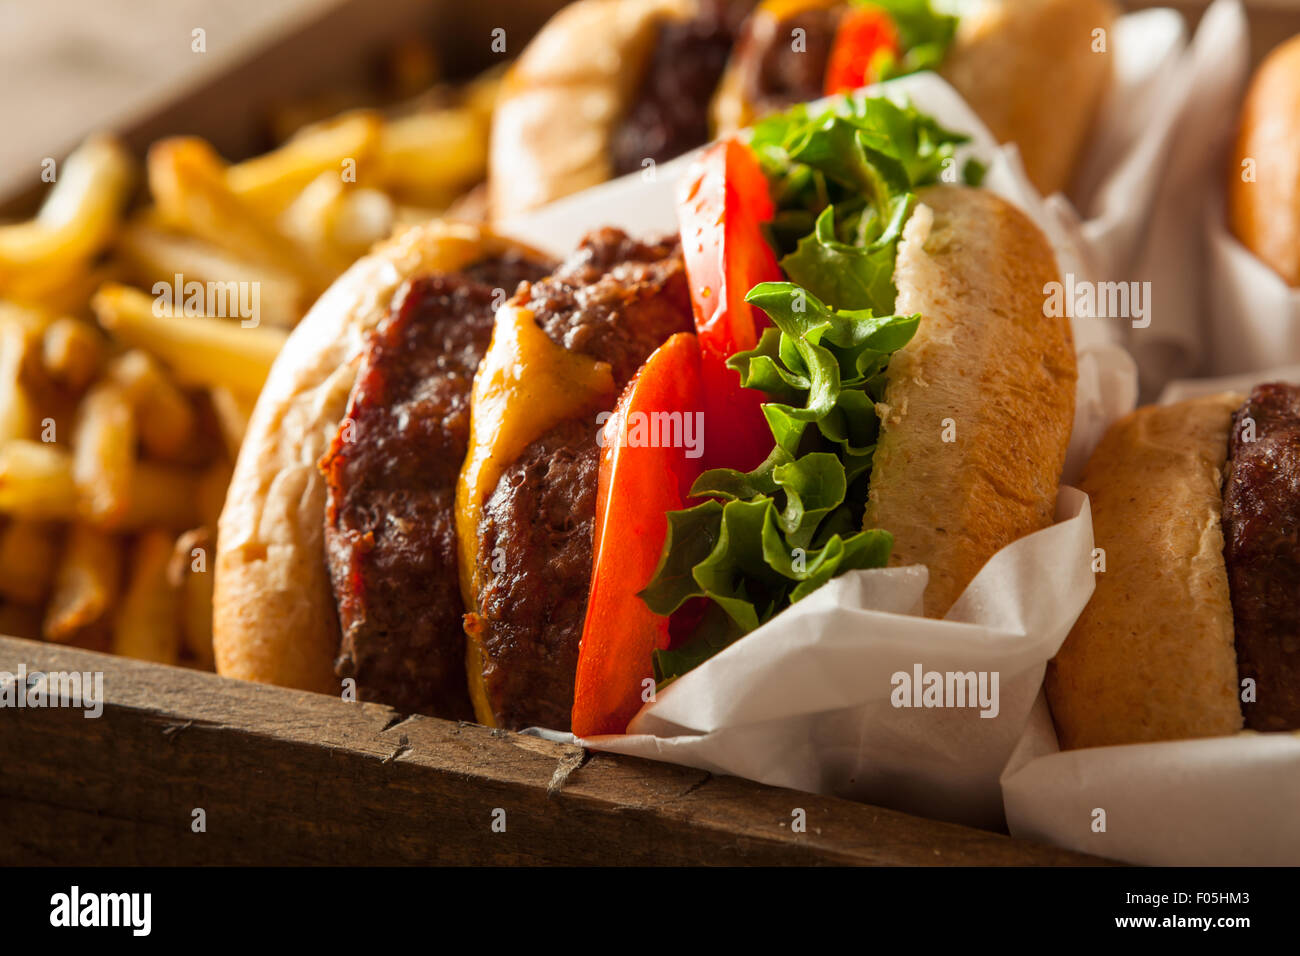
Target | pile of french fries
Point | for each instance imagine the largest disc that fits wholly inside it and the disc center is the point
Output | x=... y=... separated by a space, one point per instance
x=122 y=409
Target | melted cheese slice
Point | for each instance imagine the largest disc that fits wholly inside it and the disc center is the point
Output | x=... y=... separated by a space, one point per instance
x=525 y=387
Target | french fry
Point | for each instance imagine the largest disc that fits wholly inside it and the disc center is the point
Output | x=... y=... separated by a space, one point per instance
x=72 y=352
x=430 y=157
x=145 y=626
x=103 y=453
x=339 y=221
x=34 y=319
x=362 y=218
x=60 y=286
x=164 y=417
x=28 y=552
x=483 y=91
x=190 y=571
x=165 y=496
x=310 y=220
x=67 y=292
x=152 y=254
x=79 y=215
x=273 y=180
x=17 y=414
x=86 y=582
x=36 y=481
x=212 y=491
x=233 y=411
x=200 y=351
x=188 y=182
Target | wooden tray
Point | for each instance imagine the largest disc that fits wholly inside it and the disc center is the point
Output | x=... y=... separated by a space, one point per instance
x=287 y=777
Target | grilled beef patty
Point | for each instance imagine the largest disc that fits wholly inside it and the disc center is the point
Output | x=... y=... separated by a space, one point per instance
x=1261 y=532
x=615 y=300
x=391 y=471
x=671 y=111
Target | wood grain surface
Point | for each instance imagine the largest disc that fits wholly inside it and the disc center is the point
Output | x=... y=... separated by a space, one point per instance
x=286 y=777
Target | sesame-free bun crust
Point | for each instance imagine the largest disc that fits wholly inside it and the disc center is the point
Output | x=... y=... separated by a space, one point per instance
x=986 y=368
x=560 y=103
x=274 y=619
x=1265 y=213
x=1152 y=656
x=1028 y=68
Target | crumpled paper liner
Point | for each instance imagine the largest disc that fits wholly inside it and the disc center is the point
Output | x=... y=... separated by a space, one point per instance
x=1221 y=801
x=805 y=700
x=1254 y=316
x=1203 y=314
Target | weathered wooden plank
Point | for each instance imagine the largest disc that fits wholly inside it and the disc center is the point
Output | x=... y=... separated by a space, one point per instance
x=290 y=777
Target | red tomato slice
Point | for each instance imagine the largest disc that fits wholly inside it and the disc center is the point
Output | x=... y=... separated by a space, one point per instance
x=723 y=202
x=644 y=473
x=864 y=33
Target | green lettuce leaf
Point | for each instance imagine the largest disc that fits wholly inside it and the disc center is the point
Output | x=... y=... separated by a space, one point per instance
x=925 y=35
x=844 y=183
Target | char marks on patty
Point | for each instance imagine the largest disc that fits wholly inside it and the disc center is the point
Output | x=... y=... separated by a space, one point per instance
x=615 y=299
x=534 y=601
x=1261 y=532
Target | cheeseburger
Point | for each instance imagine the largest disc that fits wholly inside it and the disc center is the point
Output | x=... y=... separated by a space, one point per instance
x=1194 y=628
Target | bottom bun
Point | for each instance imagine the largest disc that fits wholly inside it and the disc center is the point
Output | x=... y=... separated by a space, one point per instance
x=1152 y=655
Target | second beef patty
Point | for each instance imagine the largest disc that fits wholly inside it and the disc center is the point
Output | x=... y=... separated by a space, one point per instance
x=615 y=300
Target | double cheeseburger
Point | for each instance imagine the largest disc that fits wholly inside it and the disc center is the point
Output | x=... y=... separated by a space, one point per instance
x=480 y=482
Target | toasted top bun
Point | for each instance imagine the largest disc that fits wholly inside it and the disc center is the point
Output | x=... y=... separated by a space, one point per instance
x=273 y=618
x=1029 y=68
x=560 y=103
x=978 y=407
x=1264 y=193
x=1152 y=656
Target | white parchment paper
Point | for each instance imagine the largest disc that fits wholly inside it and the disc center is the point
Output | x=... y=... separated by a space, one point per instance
x=1221 y=801
x=1253 y=317
x=1202 y=319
